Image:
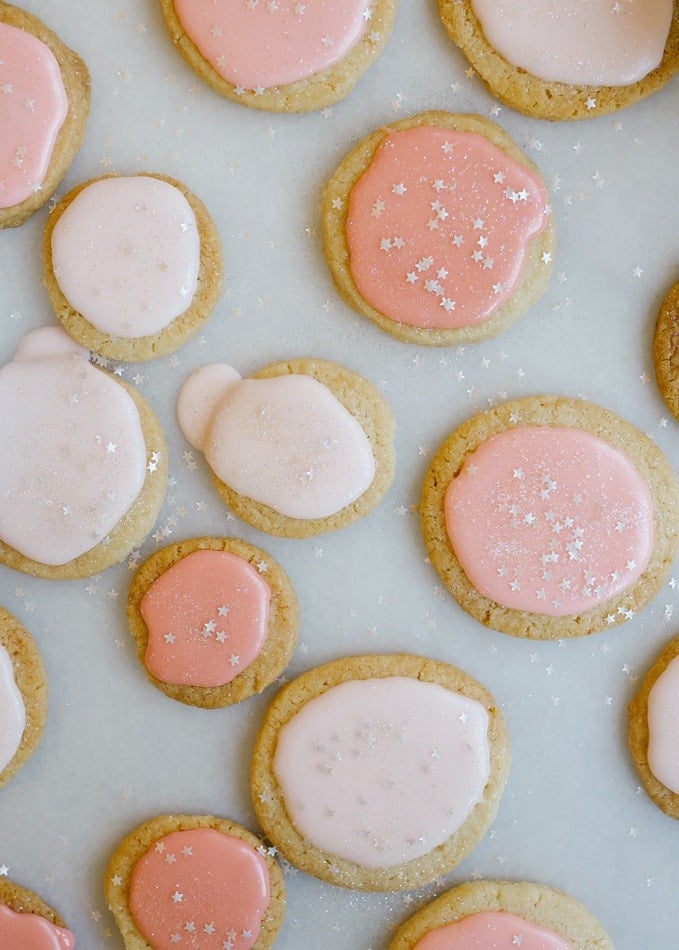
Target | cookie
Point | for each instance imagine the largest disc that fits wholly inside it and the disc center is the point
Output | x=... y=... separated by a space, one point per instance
x=283 y=56
x=43 y=113
x=133 y=265
x=299 y=448
x=27 y=921
x=182 y=875
x=83 y=461
x=502 y=914
x=568 y=60
x=438 y=228
x=666 y=350
x=549 y=517
x=379 y=772
x=215 y=620
x=23 y=696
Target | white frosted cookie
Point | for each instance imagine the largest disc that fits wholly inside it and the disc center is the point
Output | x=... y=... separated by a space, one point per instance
x=27 y=922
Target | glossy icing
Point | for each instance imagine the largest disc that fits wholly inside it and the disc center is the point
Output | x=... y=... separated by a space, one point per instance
x=207 y=618
x=33 y=107
x=663 y=726
x=12 y=711
x=492 y=930
x=126 y=254
x=381 y=771
x=207 y=888
x=438 y=227
x=286 y=442
x=550 y=520
x=258 y=44
x=72 y=451
x=31 y=932
x=584 y=42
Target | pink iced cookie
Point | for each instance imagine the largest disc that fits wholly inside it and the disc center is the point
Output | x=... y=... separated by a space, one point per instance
x=28 y=923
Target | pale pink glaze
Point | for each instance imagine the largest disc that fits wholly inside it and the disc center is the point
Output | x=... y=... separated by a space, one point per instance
x=663 y=727
x=550 y=520
x=438 y=227
x=126 y=255
x=33 y=106
x=492 y=930
x=584 y=42
x=381 y=771
x=72 y=450
x=207 y=618
x=257 y=44
x=209 y=888
x=31 y=932
x=12 y=711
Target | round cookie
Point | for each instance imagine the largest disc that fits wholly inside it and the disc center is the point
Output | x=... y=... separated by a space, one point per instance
x=502 y=913
x=74 y=519
x=215 y=620
x=284 y=56
x=438 y=228
x=348 y=755
x=23 y=696
x=133 y=265
x=193 y=874
x=43 y=113
x=549 y=517
x=26 y=920
x=666 y=350
x=299 y=448
x=562 y=71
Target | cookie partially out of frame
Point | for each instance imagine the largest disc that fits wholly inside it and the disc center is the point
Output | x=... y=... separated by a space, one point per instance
x=551 y=99
x=357 y=747
x=438 y=229
x=127 y=293
x=35 y=129
x=167 y=841
x=666 y=350
x=284 y=73
x=555 y=509
x=214 y=638
x=536 y=904
x=21 y=901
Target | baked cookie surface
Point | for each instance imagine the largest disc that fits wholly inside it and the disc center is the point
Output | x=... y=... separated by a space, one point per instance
x=27 y=921
x=666 y=350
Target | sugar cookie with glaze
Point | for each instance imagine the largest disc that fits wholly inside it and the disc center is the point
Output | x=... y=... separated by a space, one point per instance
x=438 y=228
x=379 y=772
x=27 y=921
x=666 y=350
x=549 y=517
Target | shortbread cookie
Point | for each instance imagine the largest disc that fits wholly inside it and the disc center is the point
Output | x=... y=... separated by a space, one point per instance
x=179 y=875
x=215 y=620
x=284 y=56
x=572 y=60
x=666 y=350
x=83 y=461
x=485 y=914
x=299 y=448
x=23 y=696
x=438 y=228
x=133 y=265
x=550 y=517
x=43 y=113
x=379 y=772
x=27 y=921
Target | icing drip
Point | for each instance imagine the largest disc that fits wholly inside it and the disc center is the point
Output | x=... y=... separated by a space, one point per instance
x=31 y=932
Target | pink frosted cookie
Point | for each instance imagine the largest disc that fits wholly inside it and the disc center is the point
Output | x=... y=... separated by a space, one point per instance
x=379 y=772
x=28 y=923
x=83 y=461
x=439 y=229
x=300 y=448
x=550 y=517
x=280 y=55
x=195 y=881
x=44 y=102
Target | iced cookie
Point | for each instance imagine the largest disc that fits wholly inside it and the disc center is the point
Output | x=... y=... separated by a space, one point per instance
x=26 y=921
x=215 y=620
x=666 y=350
x=439 y=229
x=44 y=102
x=23 y=696
x=567 y=60
x=549 y=517
x=83 y=461
x=379 y=772
x=283 y=56
x=133 y=265
x=302 y=447
x=505 y=915
x=195 y=881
